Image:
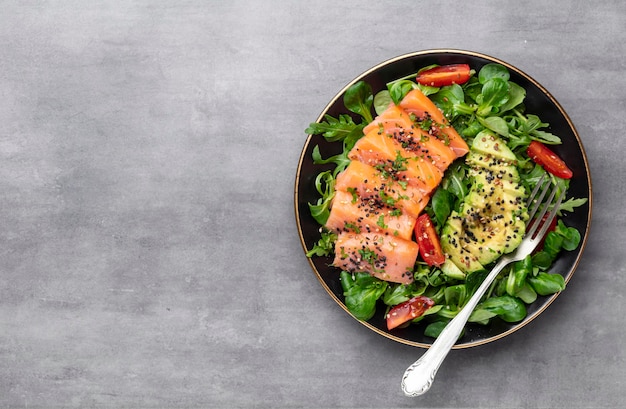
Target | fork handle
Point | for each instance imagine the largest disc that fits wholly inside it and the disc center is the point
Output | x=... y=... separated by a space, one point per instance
x=420 y=375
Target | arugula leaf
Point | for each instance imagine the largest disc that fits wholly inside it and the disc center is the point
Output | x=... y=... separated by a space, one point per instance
x=325 y=245
x=570 y=204
x=530 y=123
x=528 y=127
x=341 y=159
x=334 y=129
x=325 y=186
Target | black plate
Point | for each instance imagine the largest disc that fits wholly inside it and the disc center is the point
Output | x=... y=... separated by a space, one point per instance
x=538 y=101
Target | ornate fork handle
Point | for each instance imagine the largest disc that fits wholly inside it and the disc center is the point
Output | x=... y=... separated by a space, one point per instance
x=420 y=375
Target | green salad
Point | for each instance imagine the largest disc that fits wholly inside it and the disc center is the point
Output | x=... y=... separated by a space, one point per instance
x=487 y=110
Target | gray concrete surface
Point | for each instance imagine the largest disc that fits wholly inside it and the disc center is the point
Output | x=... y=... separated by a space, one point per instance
x=148 y=251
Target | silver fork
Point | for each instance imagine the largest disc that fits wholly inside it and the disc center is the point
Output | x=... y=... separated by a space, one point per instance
x=419 y=376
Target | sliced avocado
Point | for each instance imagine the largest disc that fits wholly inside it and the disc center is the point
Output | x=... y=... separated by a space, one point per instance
x=492 y=218
x=491 y=153
x=489 y=144
x=451 y=270
x=489 y=233
x=502 y=169
x=453 y=241
x=486 y=184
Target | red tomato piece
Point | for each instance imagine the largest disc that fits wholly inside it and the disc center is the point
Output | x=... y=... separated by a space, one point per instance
x=408 y=311
x=444 y=75
x=549 y=160
x=428 y=241
x=551 y=227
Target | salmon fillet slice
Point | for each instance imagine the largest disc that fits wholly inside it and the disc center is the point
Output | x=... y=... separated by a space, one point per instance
x=390 y=120
x=387 y=154
x=349 y=212
x=369 y=182
x=385 y=257
x=397 y=123
x=418 y=104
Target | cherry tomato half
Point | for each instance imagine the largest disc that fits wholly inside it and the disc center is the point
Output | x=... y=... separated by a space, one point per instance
x=549 y=160
x=428 y=241
x=444 y=75
x=408 y=310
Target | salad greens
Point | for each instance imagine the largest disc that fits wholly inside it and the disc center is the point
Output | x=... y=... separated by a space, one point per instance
x=488 y=100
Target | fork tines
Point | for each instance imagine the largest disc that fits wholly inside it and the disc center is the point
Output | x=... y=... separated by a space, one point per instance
x=537 y=215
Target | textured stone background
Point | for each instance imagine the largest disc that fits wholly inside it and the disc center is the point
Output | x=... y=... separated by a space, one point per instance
x=148 y=250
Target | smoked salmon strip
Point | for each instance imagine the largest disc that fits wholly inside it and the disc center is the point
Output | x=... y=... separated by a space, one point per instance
x=418 y=104
x=369 y=182
x=349 y=212
x=386 y=153
x=385 y=257
x=397 y=123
